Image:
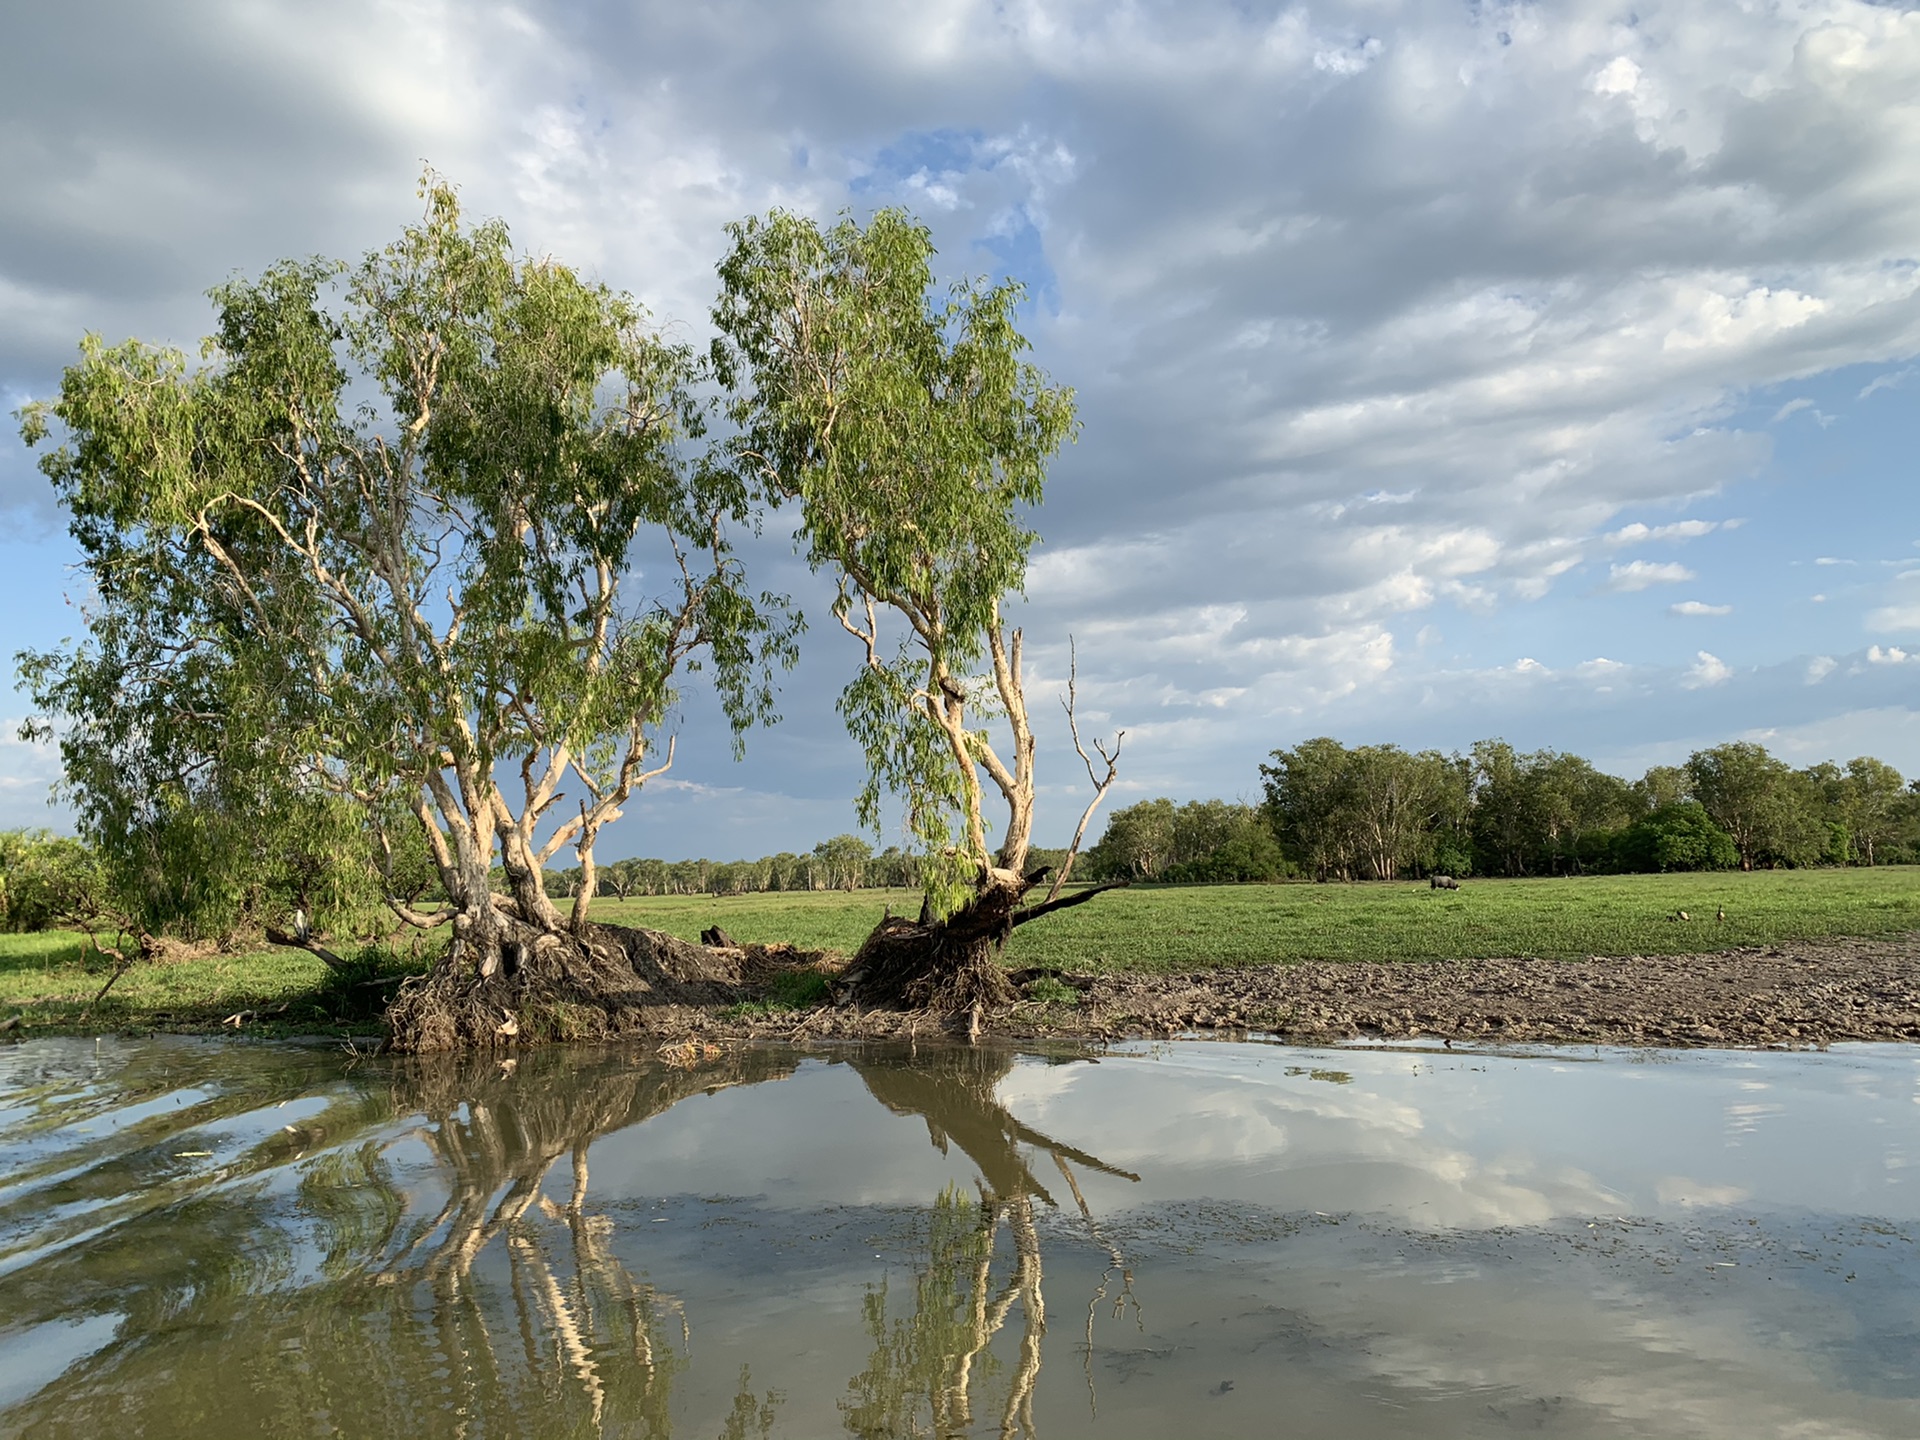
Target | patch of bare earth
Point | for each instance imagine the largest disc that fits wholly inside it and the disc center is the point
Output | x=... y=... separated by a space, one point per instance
x=1811 y=994
x=1803 y=995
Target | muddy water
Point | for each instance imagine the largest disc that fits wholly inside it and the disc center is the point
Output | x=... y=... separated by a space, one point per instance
x=1192 y=1239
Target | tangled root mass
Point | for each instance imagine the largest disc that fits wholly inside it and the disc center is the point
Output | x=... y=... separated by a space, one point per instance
x=610 y=983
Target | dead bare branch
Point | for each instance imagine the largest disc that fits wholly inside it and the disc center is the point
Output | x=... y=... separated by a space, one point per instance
x=1101 y=783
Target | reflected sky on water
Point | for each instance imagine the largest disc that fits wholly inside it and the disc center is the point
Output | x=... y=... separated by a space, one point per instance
x=1194 y=1238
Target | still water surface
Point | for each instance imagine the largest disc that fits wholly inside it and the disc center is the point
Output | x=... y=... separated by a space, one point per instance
x=1189 y=1240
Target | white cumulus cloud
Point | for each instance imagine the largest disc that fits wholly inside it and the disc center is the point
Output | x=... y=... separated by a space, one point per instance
x=1639 y=534
x=1642 y=574
x=1707 y=669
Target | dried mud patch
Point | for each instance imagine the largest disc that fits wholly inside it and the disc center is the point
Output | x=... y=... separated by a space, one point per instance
x=1803 y=995
x=1812 y=994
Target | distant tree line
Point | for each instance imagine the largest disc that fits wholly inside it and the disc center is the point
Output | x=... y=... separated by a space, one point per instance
x=1378 y=812
x=1330 y=812
x=846 y=862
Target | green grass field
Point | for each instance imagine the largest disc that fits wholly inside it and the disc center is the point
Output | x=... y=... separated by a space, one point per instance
x=43 y=977
x=1189 y=927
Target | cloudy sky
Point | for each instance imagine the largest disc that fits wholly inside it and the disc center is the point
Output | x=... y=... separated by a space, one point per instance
x=1446 y=370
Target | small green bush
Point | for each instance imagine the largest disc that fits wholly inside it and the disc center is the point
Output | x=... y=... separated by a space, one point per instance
x=47 y=880
x=1252 y=855
x=1675 y=837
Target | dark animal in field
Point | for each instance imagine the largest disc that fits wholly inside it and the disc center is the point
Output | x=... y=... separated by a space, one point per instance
x=1442 y=882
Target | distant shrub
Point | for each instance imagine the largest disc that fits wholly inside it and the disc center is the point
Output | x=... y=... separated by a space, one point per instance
x=1452 y=855
x=1253 y=855
x=1839 y=846
x=47 y=880
x=1680 y=836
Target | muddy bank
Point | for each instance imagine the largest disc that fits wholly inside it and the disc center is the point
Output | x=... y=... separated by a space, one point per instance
x=1805 y=995
x=1810 y=994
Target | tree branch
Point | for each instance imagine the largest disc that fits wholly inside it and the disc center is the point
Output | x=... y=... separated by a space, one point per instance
x=1101 y=784
x=1067 y=902
x=311 y=946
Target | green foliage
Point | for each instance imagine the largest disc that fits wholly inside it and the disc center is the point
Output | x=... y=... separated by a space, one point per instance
x=370 y=548
x=1771 y=813
x=1661 y=785
x=358 y=995
x=843 y=861
x=1679 y=836
x=1373 y=811
x=1536 y=813
x=1137 y=845
x=1370 y=812
x=1202 y=841
x=913 y=436
x=1252 y=855
x=48 y=880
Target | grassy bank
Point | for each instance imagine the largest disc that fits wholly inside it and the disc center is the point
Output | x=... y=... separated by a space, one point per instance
x=1188 y=927
x=49 y=980
x=45 y=979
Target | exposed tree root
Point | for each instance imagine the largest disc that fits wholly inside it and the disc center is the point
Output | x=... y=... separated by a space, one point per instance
x=614 y=982
x=952 y=965
x=945 y=966
x=617 y=982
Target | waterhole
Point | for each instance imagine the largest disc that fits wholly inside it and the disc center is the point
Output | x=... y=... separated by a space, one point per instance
x=1189 y=1239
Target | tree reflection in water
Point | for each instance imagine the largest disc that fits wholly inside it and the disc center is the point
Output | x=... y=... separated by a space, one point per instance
x=350 y=1312
x=920 y=1377
x=313 y=1284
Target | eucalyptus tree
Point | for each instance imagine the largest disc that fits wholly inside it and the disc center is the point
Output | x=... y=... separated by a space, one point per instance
x=912 y=436
x=1369 y=812
x=1305 y=800
x=1759 y=801
x=1661 y=786
x=384 y=543
x=1871 y=803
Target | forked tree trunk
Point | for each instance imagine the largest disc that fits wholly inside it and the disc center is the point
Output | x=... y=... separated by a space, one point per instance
x=519 y=972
